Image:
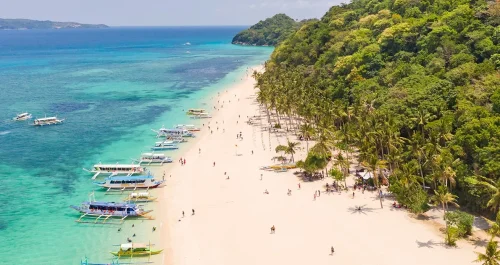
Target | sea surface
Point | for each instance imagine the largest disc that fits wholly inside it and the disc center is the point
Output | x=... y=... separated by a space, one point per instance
x=112 y=86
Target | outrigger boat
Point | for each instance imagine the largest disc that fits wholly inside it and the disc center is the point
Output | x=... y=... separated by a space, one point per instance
x=22 y=117
x=176 y=139
x=140 y=197
x=152 y=158
x=173 y=132
x=47 y=121
x=129 y=182
x=136 y=249
x=165 y=145
x=188 y=127
x=116 y=169
x=201 y=116
x=106 y=210
x=113 y=262
x=195 y=111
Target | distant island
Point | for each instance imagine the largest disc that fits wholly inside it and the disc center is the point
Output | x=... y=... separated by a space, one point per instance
x=10 y=24
x=269 y=32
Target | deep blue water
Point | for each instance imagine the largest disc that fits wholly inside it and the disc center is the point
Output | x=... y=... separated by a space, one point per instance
x=111 y=86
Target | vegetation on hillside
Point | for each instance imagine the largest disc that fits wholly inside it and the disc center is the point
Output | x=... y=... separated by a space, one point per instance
x=38 y=24
x=411 y=86
x=270 y=32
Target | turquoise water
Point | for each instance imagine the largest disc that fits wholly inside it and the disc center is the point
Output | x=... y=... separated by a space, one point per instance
x=112 y=86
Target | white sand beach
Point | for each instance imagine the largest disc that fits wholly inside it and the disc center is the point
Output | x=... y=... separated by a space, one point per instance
x=233 y=217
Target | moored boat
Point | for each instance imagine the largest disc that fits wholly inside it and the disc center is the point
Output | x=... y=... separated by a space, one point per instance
x=165 y=132
x=189 y=127
x=129 y=182
x=106 y=210
x=136 y=250
x=195 y=111
x=116 y=169
x=201 y=116
x=47 y=121
x=152 y=158
x=165 y=145
x=22 y=117
x=140 y=197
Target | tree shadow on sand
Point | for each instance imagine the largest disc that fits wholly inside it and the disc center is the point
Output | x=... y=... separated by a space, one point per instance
x=364 y=210
x=429 y=244
x=479 y=242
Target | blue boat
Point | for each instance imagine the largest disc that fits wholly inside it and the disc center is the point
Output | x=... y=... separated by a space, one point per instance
x=129 y=182
x=102 y=211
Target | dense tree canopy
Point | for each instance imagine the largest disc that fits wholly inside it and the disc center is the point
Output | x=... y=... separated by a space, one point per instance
x=415 y=84
x=270 y=32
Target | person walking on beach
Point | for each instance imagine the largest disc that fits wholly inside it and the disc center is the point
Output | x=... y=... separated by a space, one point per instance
x=332 y=250
x=315 y=196
x=182 y=214
x=193 y=211
x=184 y=161
x=299 y=186
x=353 y=194
x=260 y=176
x=273 y=229
x=199 y=150
x=214 y=164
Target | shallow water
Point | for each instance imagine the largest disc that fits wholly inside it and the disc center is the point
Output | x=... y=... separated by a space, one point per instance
x=112 y=86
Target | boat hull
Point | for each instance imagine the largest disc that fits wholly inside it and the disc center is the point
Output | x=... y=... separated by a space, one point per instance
x=136 y=254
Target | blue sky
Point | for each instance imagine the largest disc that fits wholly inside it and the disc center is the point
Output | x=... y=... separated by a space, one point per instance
x=163 y=12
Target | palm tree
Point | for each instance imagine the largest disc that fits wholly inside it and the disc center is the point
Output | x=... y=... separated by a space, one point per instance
x=288 y=149
x=494 y=187
x=443 y=197
x=491 y=256
x=307 y=132
x=374 y=164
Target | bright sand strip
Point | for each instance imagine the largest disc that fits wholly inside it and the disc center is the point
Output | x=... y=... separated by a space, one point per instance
x=233 y=216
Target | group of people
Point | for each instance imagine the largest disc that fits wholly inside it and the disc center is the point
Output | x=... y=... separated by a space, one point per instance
x=182 y=161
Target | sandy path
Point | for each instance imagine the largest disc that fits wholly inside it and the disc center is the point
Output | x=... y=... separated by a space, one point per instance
x=233 y=217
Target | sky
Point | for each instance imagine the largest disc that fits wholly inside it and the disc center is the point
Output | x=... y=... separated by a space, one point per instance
x=163 y=12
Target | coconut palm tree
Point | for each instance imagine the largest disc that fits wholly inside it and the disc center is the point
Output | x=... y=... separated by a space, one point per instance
x=374 y=164
x=494 y=187
x=307 y=132
x=491 y=256
x=443 y=197
x=288 y=149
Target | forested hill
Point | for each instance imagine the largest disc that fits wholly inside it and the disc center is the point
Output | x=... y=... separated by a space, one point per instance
x=268 y=32
x=414 y=86
x=37 y=24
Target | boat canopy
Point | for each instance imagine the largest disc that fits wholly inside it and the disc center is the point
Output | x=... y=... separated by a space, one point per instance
x=133 y=246
x=23 y=114
x=47 y=119
x=117 y=166
x=129 y=178
x=113 y=204
x=153 y=154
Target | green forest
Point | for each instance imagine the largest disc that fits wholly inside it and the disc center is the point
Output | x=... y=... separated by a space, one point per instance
x=270 y=32
x=410 y=87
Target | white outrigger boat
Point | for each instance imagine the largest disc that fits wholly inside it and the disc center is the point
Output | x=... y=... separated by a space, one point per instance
x=116 y=169
x=140 y=197
x=47 y=121
x=165 y=145
x=152 y=158
x=189 y=127
x=201 y=116
x=164 y=132
x=22 y=117
x=129 y=182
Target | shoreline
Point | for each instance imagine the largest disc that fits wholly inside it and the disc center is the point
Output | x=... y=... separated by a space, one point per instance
x=162 y=215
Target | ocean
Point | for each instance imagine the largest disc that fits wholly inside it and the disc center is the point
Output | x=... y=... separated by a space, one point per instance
x=112 y=86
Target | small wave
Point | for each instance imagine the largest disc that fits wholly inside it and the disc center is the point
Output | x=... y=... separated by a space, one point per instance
x=4 y=132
